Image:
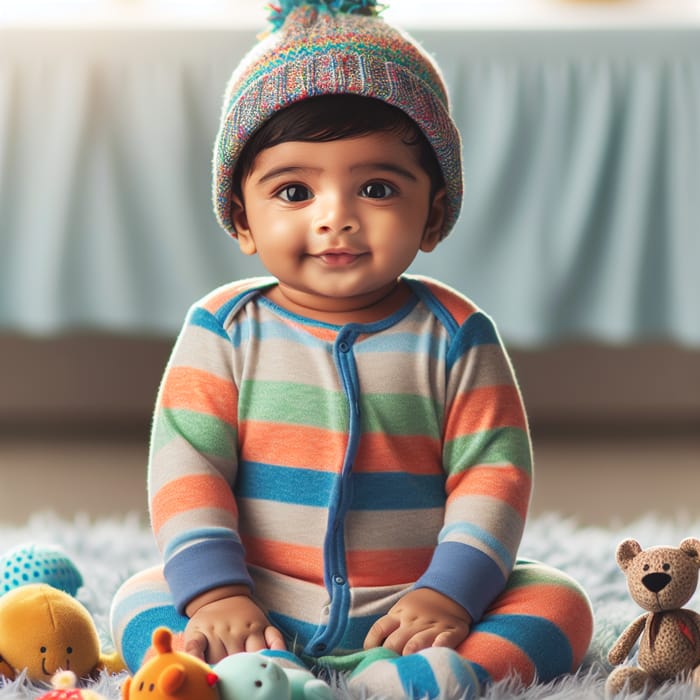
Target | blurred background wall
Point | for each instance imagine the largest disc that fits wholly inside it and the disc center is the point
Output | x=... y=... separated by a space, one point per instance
x=580 y=232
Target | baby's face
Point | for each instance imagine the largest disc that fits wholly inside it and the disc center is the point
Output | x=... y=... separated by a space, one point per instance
x=337 y=222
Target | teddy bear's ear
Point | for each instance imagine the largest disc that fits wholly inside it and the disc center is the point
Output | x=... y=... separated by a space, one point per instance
x=626 y=552
x=691 y=547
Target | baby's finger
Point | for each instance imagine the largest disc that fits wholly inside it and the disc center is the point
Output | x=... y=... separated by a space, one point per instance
x=196 y=644
x=380 y=630
x=419 y=641
x=255 y=641
x=451 y=638
x=274 y=639
x=219 y=649
x=398 y=639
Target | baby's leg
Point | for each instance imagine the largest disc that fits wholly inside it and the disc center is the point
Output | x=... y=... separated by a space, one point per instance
x=143 y=603
x=538 y=628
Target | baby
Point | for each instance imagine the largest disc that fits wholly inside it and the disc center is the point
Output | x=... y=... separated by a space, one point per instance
x=340 y=468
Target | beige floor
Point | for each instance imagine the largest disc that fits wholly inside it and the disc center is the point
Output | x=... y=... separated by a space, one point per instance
x=596 y=480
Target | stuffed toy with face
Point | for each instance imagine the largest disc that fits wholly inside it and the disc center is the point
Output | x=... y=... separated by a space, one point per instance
x=171 y=675
x=253 y=676
x=44 y=630
x=661 y=580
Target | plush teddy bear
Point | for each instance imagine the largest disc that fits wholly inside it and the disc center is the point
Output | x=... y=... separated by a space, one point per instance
x=660 y=580
x=43 y=630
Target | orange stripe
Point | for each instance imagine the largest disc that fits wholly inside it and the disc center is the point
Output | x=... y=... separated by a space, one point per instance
x=365 y=568
x=485 y=408
x=557 y=603
x=415 y=454
x=219 y=297
x=305 y=563
x=292 y=445
x=387 y=567
x=190 y=493
x=460 y=308
x=328 y=335
x=508 y=484
x=196 y=390
x=499 y=657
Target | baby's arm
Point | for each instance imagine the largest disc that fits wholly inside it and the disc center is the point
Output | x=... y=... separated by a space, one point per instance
x=422 y=618
x=226 y=621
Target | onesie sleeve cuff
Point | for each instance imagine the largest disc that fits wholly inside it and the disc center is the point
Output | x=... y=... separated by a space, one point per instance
x=464 y=574
x=204 y=566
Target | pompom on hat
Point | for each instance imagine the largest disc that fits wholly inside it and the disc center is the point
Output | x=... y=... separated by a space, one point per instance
x=330 y=47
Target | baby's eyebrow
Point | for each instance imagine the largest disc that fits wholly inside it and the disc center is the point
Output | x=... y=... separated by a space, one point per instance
x=390 y=167
x=284 y=170
x=371 y=165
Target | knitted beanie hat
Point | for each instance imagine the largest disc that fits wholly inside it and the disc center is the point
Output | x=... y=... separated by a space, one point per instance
x=329 y=47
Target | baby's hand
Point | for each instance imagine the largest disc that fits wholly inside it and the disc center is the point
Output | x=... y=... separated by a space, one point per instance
x=227 y=626
x=422 y=618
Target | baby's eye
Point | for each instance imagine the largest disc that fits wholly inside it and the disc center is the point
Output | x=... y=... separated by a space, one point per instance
x=377 y=190
x=294 y=193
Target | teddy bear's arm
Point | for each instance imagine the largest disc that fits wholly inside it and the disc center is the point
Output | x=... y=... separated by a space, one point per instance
x=620 y=650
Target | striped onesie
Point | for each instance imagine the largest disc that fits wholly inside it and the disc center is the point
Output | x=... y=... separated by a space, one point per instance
x=333 y=469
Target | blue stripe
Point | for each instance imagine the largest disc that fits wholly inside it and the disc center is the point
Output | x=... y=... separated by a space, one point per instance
x=146 y=598
x=203 y=319
x=477 y=330
x=398 y=491
x=480 y=534
x=543 y=642
x=204 y=533
x=136 y=640
x=304 y=487
x=409 y=343
x=417 y=677
x=387 y=491
x=296 y=632
x=274 y=330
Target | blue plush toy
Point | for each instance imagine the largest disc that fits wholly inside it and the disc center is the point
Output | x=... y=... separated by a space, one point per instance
x=34 y=563
x=251 y=676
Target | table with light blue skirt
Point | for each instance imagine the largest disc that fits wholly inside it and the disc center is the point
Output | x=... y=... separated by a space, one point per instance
x=581 y=214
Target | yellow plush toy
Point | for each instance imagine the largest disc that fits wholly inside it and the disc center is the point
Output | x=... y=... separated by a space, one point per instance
x=43 y=629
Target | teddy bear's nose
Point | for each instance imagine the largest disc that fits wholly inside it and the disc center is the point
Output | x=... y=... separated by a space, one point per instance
x=655 y=582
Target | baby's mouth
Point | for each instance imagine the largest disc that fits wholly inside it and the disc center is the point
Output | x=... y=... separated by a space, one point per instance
x=339 y=258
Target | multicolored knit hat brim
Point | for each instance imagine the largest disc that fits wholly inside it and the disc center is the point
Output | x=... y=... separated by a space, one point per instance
x=321 y=52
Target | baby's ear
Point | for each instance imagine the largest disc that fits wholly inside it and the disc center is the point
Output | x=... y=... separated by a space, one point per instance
x=240 y=223
x=436 y=220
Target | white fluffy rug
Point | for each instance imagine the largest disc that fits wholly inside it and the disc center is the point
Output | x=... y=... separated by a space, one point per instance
x=108 y=551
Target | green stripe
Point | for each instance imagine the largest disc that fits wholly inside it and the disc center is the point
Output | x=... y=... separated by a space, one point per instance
x=205 y=433
x=296 y=404
x=533 y=573
x=401 y=414
x=496 y=446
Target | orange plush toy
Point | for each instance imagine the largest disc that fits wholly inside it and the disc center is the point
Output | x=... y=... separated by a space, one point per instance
x=171 y=674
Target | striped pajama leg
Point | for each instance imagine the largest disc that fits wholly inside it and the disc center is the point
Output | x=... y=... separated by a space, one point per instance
x=144 y=603
x=537 y=629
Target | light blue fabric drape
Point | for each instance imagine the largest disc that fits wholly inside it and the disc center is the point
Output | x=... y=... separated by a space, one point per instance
x=582 y=171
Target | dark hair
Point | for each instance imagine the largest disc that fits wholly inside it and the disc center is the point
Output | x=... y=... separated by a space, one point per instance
x=333 y=117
